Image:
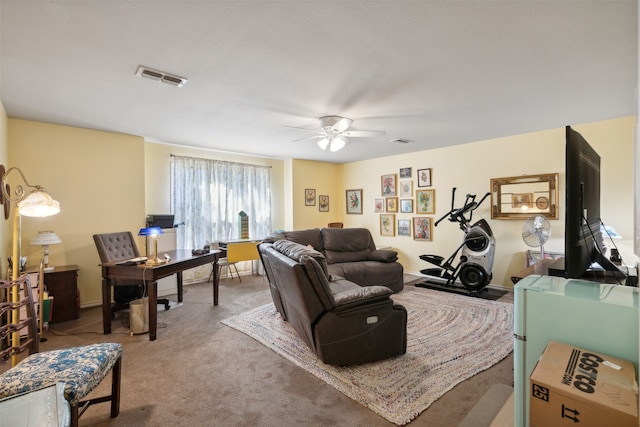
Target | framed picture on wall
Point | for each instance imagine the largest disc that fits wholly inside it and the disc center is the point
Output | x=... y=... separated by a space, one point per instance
x=323 y=203
x=422 y=228
x=425 y=202
x=406 y=205
x=424 y=177
x=379 y=205
x=387 y=225
x=388 y=184
x=309 y=197
x=405 y=173
x=354 y=201
x=406 y=188
x=404 y=227
x=392 y=204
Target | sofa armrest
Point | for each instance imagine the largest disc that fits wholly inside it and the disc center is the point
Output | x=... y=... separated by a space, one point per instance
x=383 y=255
x=360 y=296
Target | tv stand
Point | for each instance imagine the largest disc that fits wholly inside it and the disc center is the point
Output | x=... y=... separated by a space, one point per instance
x=611 y=274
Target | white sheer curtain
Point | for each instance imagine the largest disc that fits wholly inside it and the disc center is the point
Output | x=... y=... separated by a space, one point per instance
x=208 y=196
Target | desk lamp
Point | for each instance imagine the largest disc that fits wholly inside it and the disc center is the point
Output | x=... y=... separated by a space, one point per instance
x=153 y=233
x=44 y=239
x=37 y=204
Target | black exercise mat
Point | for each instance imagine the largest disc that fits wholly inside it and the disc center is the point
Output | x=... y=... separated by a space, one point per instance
x=486 y=293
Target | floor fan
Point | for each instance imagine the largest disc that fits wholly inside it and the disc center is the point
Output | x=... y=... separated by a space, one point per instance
x=536 y=231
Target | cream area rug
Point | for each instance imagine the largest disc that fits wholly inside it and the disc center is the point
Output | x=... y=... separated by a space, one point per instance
x=450 y=338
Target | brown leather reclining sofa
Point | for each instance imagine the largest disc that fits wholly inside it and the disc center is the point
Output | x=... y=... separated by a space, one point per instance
x=350 y=253
x=343 y=322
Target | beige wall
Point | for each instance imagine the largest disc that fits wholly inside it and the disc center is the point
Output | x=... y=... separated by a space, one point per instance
x=98 y=178
x=5 y=228
x=470 y=168
x=325 y=178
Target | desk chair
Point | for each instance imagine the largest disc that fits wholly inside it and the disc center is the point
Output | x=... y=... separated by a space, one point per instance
x=114 y=247
x=236 y=252
x=80 y=368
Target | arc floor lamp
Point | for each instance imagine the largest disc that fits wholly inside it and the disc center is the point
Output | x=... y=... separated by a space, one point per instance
x=35 y=204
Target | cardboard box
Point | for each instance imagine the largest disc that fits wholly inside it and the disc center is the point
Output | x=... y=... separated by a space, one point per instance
x=572 y=386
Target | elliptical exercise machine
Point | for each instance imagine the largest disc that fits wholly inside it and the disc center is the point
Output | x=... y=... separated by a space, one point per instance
x=478 y=247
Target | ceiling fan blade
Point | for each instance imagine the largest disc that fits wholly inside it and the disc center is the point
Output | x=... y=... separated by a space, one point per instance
x=363 y=133
x=308 y=138
x=342 y=124
x=297 y=127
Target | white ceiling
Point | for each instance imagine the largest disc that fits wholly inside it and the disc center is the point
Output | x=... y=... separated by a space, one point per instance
x=435 y=72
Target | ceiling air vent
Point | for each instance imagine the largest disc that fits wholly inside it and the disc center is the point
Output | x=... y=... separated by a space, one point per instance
x=161 y=76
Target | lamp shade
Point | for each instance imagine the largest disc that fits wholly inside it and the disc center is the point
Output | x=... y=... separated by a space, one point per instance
x=338 y=143
x=324 y=143
x=38 y=203
x=150 y=231
x=46 y=238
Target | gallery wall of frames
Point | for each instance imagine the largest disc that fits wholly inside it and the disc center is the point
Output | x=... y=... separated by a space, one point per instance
x=406 y=202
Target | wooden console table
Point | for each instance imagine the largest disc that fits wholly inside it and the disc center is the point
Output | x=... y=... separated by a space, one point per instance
x=181 y=260
x=62 y=284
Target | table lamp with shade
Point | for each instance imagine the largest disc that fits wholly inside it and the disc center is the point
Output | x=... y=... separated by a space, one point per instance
x=35 y=204
x=44 y=239
x=153 y=233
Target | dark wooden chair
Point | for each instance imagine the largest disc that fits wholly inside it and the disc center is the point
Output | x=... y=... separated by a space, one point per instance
x=81 y=369
x=335 y=225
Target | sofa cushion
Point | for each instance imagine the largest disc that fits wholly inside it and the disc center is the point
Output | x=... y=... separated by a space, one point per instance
x=383 y=255
x=306 y=237
x=347 y=244
x=370 y=273
x=295 y=251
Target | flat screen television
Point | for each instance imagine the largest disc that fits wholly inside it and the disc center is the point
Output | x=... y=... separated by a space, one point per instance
x=583 y=241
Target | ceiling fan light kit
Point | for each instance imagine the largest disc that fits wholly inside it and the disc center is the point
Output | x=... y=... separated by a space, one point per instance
x=333 y=143
x=334 y=131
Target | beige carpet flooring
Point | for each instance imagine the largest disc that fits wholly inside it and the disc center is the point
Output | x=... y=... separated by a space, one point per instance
x=202 y=373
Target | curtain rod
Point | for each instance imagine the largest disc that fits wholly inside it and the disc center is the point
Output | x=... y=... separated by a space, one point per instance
x=221 y=161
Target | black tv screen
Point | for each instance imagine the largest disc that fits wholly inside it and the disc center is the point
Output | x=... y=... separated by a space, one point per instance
x=583 y=240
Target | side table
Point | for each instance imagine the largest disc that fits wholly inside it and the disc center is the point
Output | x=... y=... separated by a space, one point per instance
x=62 y=284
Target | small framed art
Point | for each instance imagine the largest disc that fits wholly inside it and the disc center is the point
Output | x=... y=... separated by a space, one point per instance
x=379 y=205
x=388 y=184
x=406 y=188
x=422 y=228
x=309 y=197
x=521 y=200
x=424 y=177
x=425 y=201
x=387 y=225
x=392 y=204
x=323 y=203
x=405 y=173
x=354 y=201
x=406 y=205
x=404 y=227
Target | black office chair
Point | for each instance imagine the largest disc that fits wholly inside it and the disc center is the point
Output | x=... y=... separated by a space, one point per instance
x=114 y=247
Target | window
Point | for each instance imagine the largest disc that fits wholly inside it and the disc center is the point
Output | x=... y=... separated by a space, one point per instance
x=207 y=197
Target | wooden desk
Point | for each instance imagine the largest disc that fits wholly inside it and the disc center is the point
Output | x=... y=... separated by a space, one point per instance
x=181 y=260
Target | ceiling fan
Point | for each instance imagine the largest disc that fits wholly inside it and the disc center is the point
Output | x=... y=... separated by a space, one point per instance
x=334 y=131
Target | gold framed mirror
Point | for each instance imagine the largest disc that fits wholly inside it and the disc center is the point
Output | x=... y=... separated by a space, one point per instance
x=520 y=197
